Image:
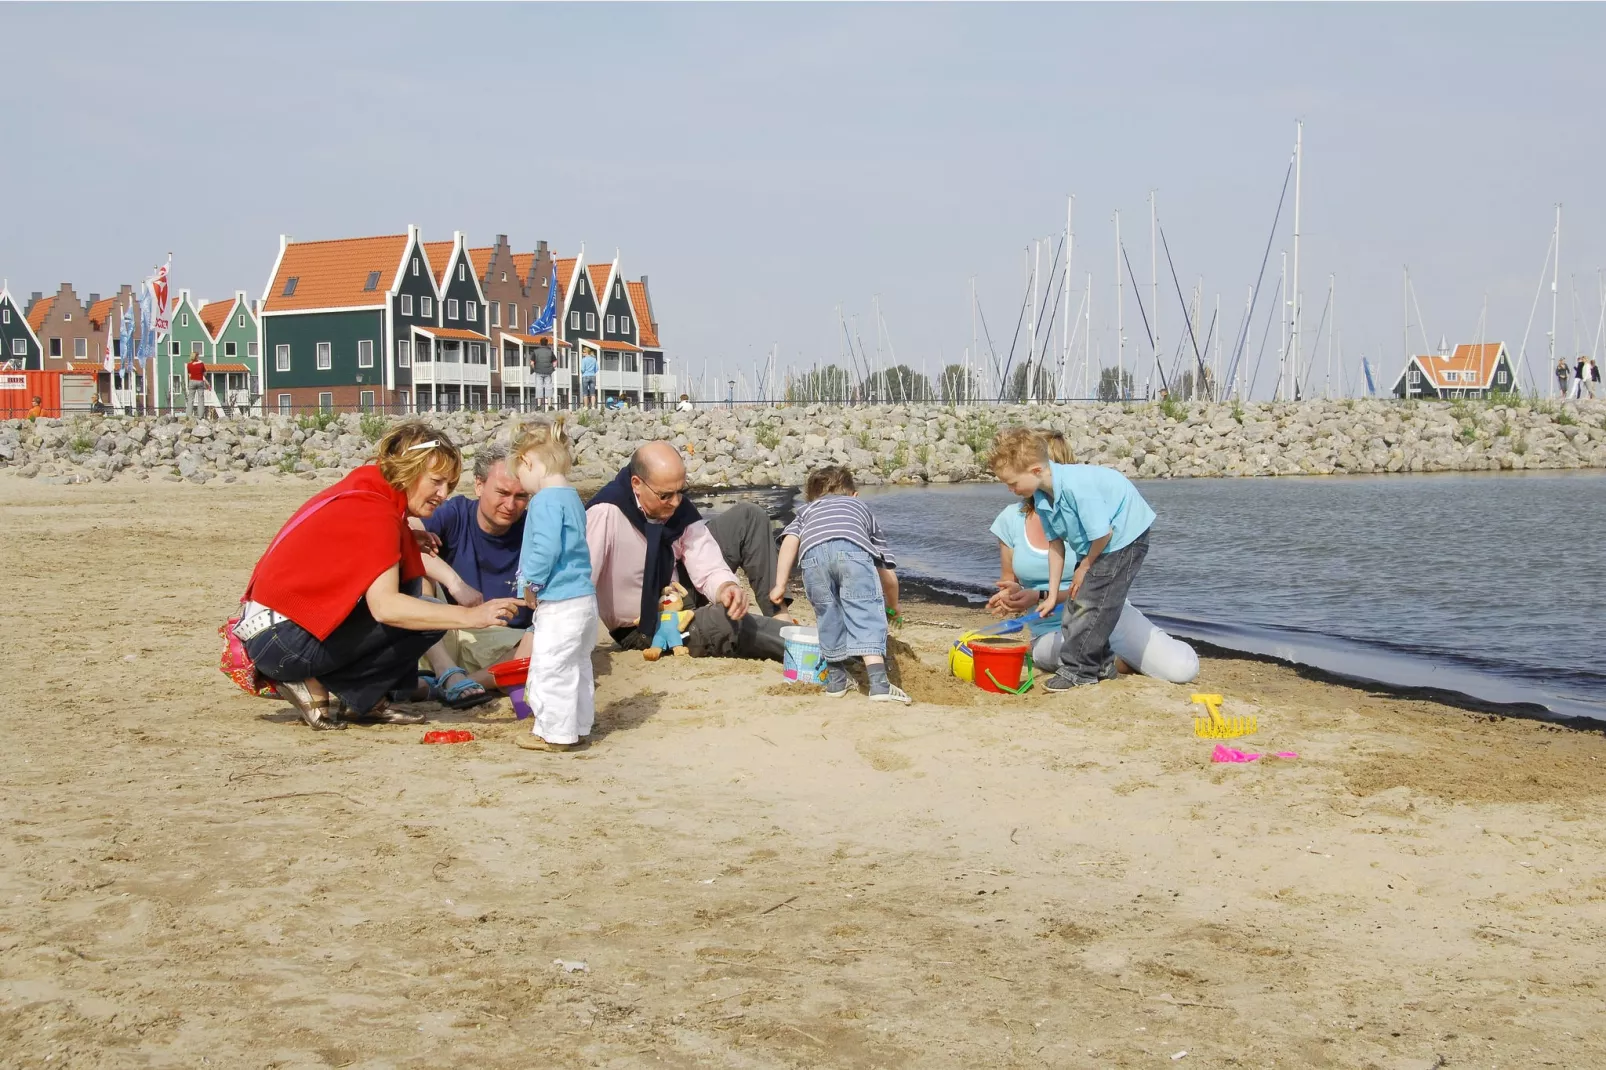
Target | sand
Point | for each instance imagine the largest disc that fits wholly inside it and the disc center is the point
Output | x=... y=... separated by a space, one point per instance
x=751 y=875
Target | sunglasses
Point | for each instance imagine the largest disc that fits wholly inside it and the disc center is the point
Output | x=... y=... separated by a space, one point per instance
x=666 y=495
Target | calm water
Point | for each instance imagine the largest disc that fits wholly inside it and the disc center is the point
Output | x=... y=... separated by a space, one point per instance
x=1489 y=584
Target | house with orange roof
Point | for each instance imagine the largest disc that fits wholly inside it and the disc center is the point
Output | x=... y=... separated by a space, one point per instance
x=234 y=360
x=61 y=323
x=187 y=339
x=1476 y=370
x=659 y=384
x=339 y=324
x=515 y=286
x=19 y=346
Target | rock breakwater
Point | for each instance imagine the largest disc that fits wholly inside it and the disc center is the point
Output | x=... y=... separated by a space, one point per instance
x=897 y=444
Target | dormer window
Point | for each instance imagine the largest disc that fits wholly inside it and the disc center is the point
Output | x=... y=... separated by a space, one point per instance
x=290 y=286
x=372 y=283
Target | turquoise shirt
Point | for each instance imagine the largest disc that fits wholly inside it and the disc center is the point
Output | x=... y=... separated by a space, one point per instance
x=1091 y=501
x=555 y=561
x=1030 y=563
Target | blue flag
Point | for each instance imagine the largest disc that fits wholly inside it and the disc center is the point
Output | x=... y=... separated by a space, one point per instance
x=125 y=335
x=1371 y=388
x=147 y=323
x=549 y=315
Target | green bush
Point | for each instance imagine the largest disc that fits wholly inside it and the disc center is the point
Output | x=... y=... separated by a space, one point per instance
x=1520 y=446
x=1173 y=409
x=288 y=462
x=82 y=442
x=1238 y=410
x=1469 y=433
x=1566 y=419
x=317 y=421
x=1462 y=410
x=1505 y=429
x=979 y=433
x=768 y=436
x=372 y=425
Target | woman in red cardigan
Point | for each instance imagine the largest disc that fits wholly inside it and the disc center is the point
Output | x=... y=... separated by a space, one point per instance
x=326 y=617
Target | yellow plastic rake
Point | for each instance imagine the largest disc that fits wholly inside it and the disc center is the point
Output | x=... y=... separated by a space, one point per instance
x=1215 y=726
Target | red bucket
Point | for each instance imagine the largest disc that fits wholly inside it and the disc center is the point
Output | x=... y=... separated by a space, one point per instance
x=511 y=673
x=1000 y=660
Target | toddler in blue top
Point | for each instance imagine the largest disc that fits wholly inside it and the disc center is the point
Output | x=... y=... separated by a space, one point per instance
x=555 y=582
x=1102 y=517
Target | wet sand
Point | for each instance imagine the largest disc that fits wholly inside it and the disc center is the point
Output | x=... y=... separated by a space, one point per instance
x=752 y=876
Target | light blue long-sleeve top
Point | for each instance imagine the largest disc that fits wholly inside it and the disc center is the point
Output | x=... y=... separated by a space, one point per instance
x=1091 y=501
x=555 y=561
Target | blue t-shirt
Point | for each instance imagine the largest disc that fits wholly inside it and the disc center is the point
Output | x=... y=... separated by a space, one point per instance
x=556 y=560
x=1030 y=563
x=1092 y=501
x=588 y=367
x=487 y=563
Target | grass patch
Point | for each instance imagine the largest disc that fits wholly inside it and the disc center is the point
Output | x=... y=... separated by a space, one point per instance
x=291 y=458
x=924 y=454
x=1566 y=419
x=372 y=425
x=1469 y=433
x=1504 y=430
x=1461 y=409
x=317 y=421
x=864 y=439
x=979 y=433
x=1520 y=446
x=1237 y=410
x=1173 y=409
x=82 y=443
x=767 y=435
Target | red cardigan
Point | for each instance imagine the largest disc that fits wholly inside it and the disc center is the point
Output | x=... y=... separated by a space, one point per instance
x=318 y=573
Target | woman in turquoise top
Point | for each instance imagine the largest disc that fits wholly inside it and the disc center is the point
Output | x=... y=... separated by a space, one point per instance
x=1023 y=574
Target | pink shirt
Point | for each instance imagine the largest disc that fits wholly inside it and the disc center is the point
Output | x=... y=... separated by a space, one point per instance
x=619 y=563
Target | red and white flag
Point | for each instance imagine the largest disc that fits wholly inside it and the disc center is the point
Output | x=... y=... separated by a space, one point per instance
x=109 y=362
x=158 y=287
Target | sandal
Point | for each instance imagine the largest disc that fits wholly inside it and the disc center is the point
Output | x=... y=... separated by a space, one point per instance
x=466 y=692
x=381 y=714
x=315 y=713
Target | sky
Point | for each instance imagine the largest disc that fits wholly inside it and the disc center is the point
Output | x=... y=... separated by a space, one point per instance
x=768 y=165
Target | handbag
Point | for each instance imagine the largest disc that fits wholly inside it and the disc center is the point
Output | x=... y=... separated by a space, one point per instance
x=235 y=663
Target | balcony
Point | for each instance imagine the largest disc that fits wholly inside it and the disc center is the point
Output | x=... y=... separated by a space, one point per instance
x=661 y=384
x=451 y=373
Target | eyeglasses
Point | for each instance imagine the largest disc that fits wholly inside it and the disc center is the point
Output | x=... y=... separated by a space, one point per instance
x=666 y=495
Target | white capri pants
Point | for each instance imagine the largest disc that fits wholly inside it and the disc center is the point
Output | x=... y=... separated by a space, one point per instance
x=559 y=688
x=1136 y=641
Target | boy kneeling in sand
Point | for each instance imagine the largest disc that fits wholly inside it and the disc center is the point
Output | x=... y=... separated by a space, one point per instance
x=1105 y=520
x=847 y=574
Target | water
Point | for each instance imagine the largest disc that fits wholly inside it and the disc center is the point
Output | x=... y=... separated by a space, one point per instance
x=1489 y=584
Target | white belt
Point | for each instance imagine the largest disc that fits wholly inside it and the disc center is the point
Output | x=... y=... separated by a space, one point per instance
x=255 y=619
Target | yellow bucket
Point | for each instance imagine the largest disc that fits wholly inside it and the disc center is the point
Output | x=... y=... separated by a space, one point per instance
x=961 y=662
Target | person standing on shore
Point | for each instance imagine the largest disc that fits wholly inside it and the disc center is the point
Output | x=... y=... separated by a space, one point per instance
x=1561 y=374
x=196 y=372
x=1594 y=378
x=1580 y=375
x=1102 y=517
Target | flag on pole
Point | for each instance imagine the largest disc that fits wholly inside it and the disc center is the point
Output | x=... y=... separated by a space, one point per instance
x=549 y=315
x=109 y=360
x=159 y=287
x=125 y=335
x=1371 y=387
x=147 y=319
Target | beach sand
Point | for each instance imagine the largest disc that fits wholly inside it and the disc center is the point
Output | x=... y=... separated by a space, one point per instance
x=752 y=876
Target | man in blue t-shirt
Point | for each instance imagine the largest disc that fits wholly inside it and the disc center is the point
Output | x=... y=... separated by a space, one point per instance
x=480 y=538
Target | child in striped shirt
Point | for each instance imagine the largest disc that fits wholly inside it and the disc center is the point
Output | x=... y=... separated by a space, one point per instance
x=847 y=574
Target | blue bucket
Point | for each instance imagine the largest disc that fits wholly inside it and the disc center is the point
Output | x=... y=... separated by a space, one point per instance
x=802 y=661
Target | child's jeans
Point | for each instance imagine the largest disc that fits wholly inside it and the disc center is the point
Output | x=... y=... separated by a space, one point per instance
x=1085 y=654
x=559 y=688
x=841 y=581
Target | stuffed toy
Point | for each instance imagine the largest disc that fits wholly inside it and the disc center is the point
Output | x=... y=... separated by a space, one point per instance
x=668 y=637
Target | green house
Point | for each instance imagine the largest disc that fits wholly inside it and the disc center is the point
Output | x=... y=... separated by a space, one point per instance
x=19 y=346
x=234 y=361
x=187 y=338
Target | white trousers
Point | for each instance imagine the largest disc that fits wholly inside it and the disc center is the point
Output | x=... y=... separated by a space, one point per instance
x=559 y=688
x=1138 y=642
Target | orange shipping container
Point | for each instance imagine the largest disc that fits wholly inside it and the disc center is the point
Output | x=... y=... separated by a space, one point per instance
x=18 y=389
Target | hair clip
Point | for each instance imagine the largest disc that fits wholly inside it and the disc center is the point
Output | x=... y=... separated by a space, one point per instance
x=431 y=444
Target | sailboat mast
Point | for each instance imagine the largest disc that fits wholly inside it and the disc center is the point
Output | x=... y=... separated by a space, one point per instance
x=1154 y=278
x=1037 y=263
x=1554 y=276
x=1282 y=334
x=1327 y=387
x=1299 y=159
x=1087 y=337
x=1070 y=250
x=1120 y=318
x=972 y=351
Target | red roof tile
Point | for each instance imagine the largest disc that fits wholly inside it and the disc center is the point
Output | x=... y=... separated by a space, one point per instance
x=524 y=263
x=215 y=316
x=41 y=309
x=599 y=281
x=565 y=270
x=440 y=252
x=84 y=367
x=100 y=310
x=332 y=274
x=452 y=334
x=646 y=329
x=611 y=346
x=1472 y=365
x=236 y=369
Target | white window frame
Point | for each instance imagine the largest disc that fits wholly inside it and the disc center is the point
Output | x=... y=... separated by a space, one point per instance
x=591 y=321
x=462 y=271
x=365 y=353
x=426 y=306
x=512 y=315
x=231 y=349
x=19 y=347
x=55 y=348
x=197 y=349
x=5 y=315
x=80 y=348
x=174 y=349
x=624 y=324
x=415 y=265
x=471 y=311
x=326 y=401
x=1499 y=377
x=407 y=304
x=1414 y=376
x=495 y=308
x=286 y=402
x=183 y=319
x=365 y=400
x=574 y=321
x=404 y=353
x=281 y=361
x=476 y=353
x=496 y=356
x=451 y=308
x=253 y=349
x=241 y=323
x=325 y=353
x=613 y=325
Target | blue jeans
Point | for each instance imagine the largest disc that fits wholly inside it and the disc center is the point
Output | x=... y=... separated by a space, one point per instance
x=840 y=579
x=1085 y=654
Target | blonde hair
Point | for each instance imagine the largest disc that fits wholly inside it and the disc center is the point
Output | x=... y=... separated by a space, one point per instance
x=549 y=443
x=412 y=448
x=831 y=479
x=1017 y=449
x=1058 y=450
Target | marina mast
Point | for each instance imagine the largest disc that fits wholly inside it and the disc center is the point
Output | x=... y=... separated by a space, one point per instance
x=1299 y=157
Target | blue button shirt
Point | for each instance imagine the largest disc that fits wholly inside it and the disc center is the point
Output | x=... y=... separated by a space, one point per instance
x=1091 y=501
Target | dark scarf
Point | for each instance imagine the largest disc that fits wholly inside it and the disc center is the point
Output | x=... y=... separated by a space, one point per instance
x=661 y=538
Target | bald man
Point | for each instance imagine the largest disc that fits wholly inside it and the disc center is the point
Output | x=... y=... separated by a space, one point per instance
x=642 y=531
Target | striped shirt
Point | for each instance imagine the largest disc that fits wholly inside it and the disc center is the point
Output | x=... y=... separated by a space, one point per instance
x=839 y=516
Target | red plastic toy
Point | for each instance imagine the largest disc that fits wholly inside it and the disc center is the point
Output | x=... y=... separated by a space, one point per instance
x=449 y=735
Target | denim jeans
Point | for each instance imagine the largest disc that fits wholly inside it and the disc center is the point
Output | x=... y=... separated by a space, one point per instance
x=359 y=662
x=840 y=579
x=1085 y=654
